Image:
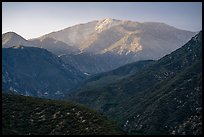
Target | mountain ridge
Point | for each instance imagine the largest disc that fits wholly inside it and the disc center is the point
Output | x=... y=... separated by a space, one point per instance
x=37 y=72
x=122 y=41
x=129 y=40
x=92 y=26
x=36 y=116
x=140 y=101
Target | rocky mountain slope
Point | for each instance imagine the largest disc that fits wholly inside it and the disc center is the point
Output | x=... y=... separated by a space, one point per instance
x=163 y=98
x=119 y=41
x=106 y=78
x=93 y=64
x=152 y=40
x=107 y=44
x=37 y=72
x=34 y=116
x=11 y=39
x=57 y=47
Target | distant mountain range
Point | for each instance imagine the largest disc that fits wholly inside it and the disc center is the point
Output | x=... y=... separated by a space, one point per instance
x=123 y=37
x=147 y=77
x=37 y=72
x=159 y=97
x=121 y=41
x=11 y=39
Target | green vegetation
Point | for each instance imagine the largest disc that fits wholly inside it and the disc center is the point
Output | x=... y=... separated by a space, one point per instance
x=159 y=99
x=36 y=116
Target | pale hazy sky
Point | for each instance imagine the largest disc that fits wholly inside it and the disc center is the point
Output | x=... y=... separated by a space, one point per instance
x=34 y=19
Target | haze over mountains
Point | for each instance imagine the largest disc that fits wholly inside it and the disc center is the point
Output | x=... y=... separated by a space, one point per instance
x=123 y=37
x=36 y=72
x=121 y=41
x=11 y=39
x=161 y=97
x=147 y=77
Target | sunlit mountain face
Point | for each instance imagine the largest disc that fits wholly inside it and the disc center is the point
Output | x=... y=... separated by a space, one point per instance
x=151 y=97
x=141 y=78
x=107 y=44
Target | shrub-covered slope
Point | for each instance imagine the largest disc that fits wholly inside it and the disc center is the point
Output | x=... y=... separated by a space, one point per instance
x=28 y=115
x=37 y=72
x=164 y=98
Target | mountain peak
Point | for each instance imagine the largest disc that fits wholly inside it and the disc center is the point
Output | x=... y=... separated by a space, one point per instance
x=108 y=19
x=11 y=34
x=10 y=39
x=105 y=24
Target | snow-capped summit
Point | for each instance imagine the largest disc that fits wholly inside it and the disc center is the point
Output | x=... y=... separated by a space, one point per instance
x=148 y=40
x=111 y=38
x=106 y=24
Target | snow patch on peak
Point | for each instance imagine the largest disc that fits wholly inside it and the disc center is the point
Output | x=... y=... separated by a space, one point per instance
x=108 y=20
x=105 y=24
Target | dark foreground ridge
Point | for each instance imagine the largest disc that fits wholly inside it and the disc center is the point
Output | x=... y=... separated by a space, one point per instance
x=35 y=116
